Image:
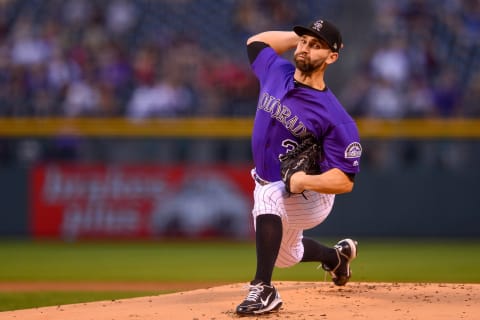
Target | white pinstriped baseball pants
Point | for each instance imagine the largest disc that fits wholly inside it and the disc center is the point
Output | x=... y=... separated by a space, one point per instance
x=296 y=212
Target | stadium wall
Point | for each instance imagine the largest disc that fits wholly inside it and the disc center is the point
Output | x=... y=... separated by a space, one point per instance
x=383 y=204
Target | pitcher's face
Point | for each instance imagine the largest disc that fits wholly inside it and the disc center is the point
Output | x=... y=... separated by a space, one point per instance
x=313 y=54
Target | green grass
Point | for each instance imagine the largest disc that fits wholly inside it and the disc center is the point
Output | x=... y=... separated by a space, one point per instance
x=124 y=261
x=24 y=300
x=378 y=260
x=453 y=261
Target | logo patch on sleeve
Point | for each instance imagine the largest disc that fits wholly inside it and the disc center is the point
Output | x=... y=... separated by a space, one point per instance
x=353 y=150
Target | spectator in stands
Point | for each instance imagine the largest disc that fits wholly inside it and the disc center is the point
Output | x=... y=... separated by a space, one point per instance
x=248 y=18
x=385 y=100
x=77 y=13
x=447 y=94
x=252 y=16
x=226 y=82
x=61 y=72
x=166 y=96
x=16 y=93
x=471 y=102
x=27 y=48
x=39 y=93
x=114 y=69
x=390 y=62
x=121 y=17
x=356 y=93
x=419 y=99
x=470 y=17
x=82 y=97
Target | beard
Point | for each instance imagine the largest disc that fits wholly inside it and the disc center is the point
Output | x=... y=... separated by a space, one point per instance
x=306 y=66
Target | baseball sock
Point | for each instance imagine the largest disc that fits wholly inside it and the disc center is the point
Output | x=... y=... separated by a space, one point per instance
x=268 y=237
x=315 y=251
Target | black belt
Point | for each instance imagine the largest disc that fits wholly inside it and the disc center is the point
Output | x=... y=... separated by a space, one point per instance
x=259 y=180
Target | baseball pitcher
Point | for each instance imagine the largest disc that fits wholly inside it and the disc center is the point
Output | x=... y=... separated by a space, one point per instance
x=306 y=149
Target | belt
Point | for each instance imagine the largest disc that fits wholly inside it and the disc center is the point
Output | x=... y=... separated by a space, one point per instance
x=259 y=180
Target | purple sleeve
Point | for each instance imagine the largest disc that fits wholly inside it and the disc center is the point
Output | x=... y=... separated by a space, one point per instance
x=342 y=149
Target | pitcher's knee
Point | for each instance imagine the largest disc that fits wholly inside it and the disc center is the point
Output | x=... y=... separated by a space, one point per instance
x=285 y=261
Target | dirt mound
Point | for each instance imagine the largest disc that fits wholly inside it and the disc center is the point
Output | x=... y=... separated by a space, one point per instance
x=302 y=300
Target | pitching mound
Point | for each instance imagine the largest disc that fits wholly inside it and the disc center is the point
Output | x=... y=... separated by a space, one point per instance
x=302 y=300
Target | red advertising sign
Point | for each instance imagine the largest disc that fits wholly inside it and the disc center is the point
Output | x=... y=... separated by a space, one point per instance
x=102 y=201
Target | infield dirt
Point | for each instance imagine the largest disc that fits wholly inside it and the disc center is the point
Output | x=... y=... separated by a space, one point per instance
x=301 y=300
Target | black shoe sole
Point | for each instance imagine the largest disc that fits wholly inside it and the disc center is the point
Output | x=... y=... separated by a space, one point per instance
x=260 y=312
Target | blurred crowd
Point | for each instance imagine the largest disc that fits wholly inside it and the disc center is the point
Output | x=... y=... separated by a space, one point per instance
x=423 y=60
x=170 y=58
x=130 y=58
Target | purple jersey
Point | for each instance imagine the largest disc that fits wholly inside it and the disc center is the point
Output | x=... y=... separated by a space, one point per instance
x=286 y=112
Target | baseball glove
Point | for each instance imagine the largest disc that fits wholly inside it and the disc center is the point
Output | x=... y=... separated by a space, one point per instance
x=303 y=158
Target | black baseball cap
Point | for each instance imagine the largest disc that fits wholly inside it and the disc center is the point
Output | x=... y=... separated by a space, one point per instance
x=324 y=30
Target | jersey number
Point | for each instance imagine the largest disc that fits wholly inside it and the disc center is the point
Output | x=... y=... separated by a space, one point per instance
x=289 y=145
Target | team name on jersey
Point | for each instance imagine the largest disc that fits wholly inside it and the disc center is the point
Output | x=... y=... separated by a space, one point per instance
x=282 y=113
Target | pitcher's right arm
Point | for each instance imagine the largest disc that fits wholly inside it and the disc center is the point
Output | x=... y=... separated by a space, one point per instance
x=280 y=41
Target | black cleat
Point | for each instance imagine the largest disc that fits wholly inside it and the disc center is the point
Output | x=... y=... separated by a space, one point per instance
x=346 y=252
x=261 y=298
